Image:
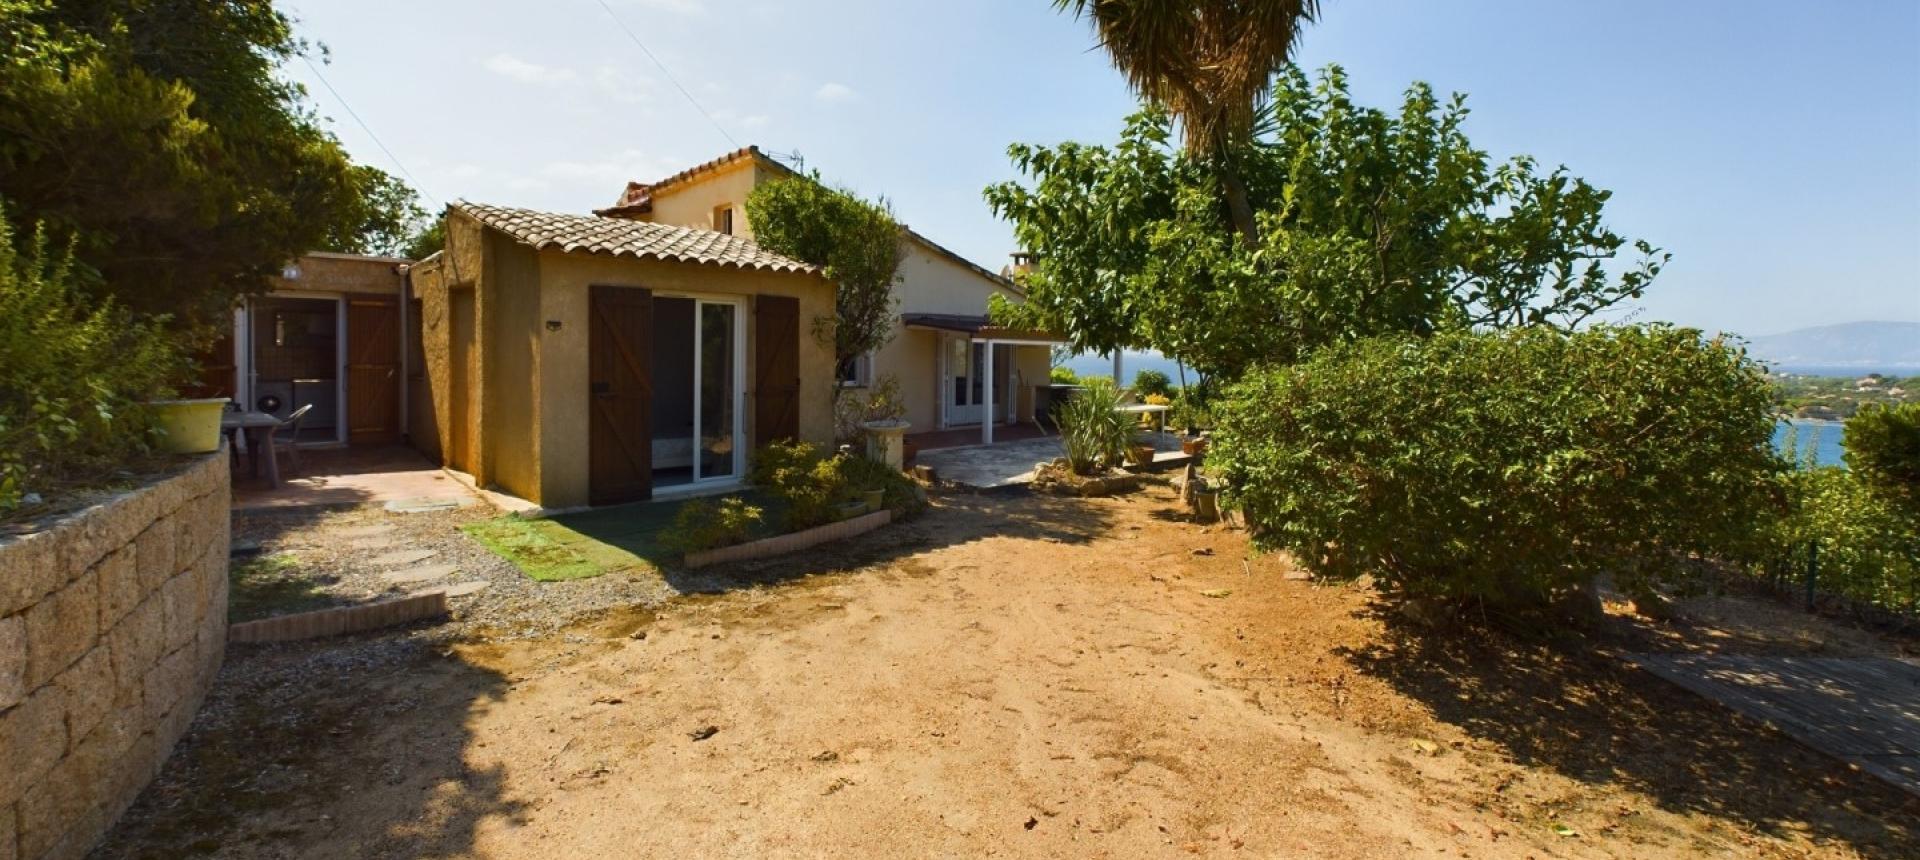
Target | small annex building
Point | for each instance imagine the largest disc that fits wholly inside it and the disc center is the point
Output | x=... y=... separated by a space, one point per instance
x=577 y=360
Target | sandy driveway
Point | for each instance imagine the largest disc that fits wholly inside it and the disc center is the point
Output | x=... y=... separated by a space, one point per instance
x=1006 y=676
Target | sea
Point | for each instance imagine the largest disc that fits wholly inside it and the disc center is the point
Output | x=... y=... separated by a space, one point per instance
x=1824 y=437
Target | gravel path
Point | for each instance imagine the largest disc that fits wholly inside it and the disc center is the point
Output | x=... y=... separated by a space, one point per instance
x=370 y=553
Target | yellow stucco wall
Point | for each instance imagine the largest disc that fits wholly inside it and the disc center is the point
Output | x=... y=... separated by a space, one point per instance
x=565 y=280
x=690 y=203
x=527 y=386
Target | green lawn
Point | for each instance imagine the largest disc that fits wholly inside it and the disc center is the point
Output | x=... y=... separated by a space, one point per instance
x=591 y=543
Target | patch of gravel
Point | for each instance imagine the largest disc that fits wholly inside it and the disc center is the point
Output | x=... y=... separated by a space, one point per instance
x=337 y=551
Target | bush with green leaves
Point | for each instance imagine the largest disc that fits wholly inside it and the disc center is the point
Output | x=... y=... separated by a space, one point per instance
x=1867 y=541
x=1883 y=448
x=74 y=374
x=812 y=484
x=703 y=524
x=1150 y=381
x=1501 y=469
x=1094 y=434
x=1062 y=375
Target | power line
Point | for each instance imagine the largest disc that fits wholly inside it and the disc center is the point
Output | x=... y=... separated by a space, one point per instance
x=670 y=78
x=376 y=138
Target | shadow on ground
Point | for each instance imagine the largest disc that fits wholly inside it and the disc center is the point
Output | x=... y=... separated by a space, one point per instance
x=297 y=747
x=954 y=518
x=1578 y=709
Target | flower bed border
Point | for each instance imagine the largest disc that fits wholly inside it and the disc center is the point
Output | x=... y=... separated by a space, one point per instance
x=782 y=544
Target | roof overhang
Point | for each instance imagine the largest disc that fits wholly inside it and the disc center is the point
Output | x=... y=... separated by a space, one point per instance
x=980 y=328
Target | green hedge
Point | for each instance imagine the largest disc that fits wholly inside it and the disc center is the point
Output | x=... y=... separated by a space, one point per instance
x=1504 y=469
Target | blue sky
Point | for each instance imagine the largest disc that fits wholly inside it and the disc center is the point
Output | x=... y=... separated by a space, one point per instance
x=1773 y=147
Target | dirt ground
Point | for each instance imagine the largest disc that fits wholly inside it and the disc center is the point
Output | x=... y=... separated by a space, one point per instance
x=1008 y=675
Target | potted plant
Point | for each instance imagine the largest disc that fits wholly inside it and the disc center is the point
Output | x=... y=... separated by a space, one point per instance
x=1139 y=454
x=885 y=428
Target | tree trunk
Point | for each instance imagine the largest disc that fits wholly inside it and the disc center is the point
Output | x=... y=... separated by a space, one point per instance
x=1239 y=208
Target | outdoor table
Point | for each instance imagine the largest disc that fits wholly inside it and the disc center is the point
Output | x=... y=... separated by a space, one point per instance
x=1157 y=410
x=259 y=427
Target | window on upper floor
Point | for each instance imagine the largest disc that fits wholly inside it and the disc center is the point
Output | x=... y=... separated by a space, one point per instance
x=723 y=219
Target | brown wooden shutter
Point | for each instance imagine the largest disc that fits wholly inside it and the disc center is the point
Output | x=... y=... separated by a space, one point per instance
x=776 y=369
x=373 y=370
x=620 y=395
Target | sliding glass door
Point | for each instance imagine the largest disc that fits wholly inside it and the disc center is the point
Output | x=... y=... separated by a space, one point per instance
x=698 y=363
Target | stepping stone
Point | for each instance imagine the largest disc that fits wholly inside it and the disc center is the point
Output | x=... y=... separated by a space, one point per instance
x=407 y=556
x=364 y=531
x=465 y=588
x=423 y=573
x=370 y=543
x=421 y=506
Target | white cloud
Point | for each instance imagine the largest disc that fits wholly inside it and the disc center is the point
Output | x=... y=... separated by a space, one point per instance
x=612 y=172
x=510 y=66
x=832 y=92
x=622 y=86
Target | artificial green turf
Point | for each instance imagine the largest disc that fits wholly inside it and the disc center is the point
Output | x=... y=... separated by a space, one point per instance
x=596 y=542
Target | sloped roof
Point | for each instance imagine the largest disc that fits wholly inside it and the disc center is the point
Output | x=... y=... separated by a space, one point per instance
x=620 y=236
x=637 y=199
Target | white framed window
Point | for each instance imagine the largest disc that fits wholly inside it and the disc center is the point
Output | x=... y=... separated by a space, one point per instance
x=856 y=372
x=723 y=219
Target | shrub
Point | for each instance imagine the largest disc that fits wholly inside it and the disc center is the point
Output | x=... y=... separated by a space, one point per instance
x=1869 y=543
x=1503 y=469
x=703 y=524
x=812 y=485
x=1094 y=434
x=1152 y=382
x=73 y=374
x=1883 y=448
x=1189 y=411
x=802 y=477
x=1063 y=376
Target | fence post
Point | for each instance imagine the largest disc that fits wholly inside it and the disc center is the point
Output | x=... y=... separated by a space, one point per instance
x=1813 y=570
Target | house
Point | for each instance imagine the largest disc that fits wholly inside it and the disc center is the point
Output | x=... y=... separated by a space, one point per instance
x=579 y=360
x=325 y=335
x=954 y=368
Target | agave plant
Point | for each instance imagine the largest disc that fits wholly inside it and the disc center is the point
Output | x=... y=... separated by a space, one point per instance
x=1093 y=432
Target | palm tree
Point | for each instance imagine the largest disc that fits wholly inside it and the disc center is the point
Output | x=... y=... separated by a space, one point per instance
x=1210 y=63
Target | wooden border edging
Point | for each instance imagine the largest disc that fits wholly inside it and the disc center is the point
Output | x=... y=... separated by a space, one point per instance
x=799 y=540
x=341 y=619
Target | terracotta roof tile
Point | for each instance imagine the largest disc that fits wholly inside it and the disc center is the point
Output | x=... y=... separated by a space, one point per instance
x=619 y=236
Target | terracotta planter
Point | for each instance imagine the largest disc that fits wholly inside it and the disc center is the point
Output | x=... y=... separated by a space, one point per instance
x=1140 y=455
x=1193 y=446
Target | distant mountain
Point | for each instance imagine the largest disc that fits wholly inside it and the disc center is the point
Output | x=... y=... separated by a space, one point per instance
x=1866 y=346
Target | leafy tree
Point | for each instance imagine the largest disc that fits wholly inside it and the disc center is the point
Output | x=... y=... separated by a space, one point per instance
x=158 y=132
x=426 y=242
x=386 y=218
x=1502 y=470
x=1372 y=223
x=1883 y=449
x=1152 y=381
x=855 y=242
x=1210 y=64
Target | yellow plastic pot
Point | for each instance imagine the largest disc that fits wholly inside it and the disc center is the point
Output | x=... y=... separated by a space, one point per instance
x=189 y=426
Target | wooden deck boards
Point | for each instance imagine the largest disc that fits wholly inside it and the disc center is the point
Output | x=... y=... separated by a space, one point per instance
x=1863 y=710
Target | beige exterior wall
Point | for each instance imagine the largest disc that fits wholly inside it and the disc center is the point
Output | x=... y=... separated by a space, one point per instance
x=691 y=203
x=525 y=397
x=342 y=273
x=565 y=279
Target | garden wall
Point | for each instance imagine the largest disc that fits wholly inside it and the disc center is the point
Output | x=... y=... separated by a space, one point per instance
x=112 y=625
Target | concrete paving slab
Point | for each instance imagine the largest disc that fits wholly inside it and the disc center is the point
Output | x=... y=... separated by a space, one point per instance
x=1011 y=464
x=404 y=557
x=423 y=573
x=465 y=588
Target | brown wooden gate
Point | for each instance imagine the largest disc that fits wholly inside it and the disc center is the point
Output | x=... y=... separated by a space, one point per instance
x=776 y=369
x=620 y=395
x=373 y=370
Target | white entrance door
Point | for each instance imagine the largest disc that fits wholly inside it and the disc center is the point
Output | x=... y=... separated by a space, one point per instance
x=962 y=387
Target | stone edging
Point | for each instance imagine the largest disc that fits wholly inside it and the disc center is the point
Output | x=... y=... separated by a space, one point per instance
x=787 y=543
x=341 y=620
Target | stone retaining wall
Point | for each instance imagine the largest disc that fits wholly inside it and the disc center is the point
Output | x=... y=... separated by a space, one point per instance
x=112 y=625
